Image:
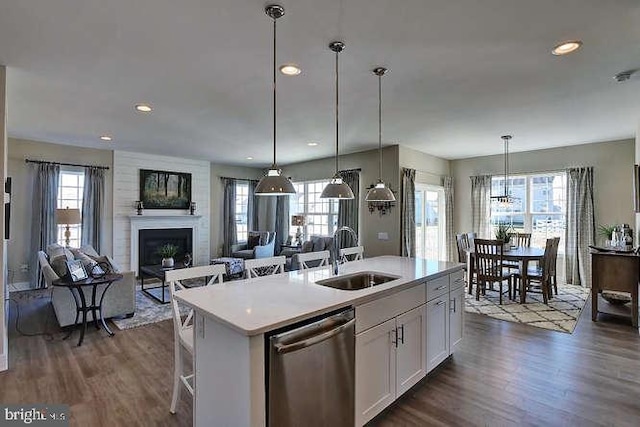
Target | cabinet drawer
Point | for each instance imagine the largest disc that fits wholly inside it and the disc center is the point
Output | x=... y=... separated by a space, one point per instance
x=375 y=312
x=456 y=280
x=437 y=287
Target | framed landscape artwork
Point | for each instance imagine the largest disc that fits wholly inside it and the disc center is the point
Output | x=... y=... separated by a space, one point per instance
x=165 y=190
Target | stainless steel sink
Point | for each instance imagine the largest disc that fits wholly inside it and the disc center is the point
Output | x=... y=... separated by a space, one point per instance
x=356 y=281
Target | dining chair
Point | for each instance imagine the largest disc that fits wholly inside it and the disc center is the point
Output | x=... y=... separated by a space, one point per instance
x=265 y=266
x=355 y=253
x=489 y=266
x=322 y=256
x=537 y=277
x=553 y=280
x=521 y=240
x=462 y=242
x=183 y=329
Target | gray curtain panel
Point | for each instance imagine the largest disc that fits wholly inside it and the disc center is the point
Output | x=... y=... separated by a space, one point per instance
x=228 y=215
x=452 y=248
x=581 y=226
x=408 y=212
x=44 y=229
x=252 y=208
x=348 y=210
x=282 y=222
x=481 y=206
x=92 y=206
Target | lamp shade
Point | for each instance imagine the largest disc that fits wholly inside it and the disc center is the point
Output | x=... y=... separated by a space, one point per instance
x=337 y=189
x=274 y=184
x=297 y=220
x=68 y=216
x=380 y=193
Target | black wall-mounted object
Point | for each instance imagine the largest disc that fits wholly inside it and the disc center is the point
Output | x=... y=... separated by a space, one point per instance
x=7 y=208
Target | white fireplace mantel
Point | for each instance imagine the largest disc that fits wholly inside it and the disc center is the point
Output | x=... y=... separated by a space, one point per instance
x=147 y=222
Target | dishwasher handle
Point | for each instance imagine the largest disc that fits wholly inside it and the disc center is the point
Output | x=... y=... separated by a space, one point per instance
x=307 y=342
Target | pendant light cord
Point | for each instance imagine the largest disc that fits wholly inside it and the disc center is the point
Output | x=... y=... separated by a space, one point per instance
x=337 y=110
x=380 y=126
x=274 y=91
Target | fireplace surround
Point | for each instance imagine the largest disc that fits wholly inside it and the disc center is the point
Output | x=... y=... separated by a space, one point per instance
x=151 y=239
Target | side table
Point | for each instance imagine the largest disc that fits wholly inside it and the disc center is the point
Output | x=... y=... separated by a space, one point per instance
x=76 y=289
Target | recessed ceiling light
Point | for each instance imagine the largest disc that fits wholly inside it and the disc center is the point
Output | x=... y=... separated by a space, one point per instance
x=249 y=158
x=567 y=47
x=144 y=108
x=106 y=138
x=312 y=144
x=290 y=69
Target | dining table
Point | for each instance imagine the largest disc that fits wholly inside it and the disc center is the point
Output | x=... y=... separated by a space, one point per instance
x=523 y=255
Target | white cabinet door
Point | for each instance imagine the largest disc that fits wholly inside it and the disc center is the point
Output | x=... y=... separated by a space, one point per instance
x=411 y=349
x=375 y=370
x=456 y=318
x=437 y=331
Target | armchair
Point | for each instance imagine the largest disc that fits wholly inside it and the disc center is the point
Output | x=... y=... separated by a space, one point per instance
x=264 y=249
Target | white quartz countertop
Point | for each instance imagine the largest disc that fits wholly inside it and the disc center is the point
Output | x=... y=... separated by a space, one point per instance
x=259 y=305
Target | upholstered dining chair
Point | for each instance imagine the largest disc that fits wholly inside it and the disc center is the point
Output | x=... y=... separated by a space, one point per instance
x=538 y=277
x=355 y=253
x=264 y=266
x=183 y=329
x=322 y=256
x=489 y=266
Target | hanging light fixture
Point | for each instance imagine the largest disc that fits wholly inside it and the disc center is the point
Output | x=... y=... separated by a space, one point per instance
x=380 y=192
x=273 y=183
x=337 y=188
x=505 y=199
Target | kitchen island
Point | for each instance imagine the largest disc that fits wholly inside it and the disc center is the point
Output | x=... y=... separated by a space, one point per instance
x=425 y=304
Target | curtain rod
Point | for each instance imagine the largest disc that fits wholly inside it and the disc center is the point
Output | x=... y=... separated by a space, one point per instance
x=351 y=170
x=240 y=179
x=65 y=164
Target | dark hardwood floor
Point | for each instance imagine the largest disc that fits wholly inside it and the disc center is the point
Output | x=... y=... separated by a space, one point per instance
x=505 y=374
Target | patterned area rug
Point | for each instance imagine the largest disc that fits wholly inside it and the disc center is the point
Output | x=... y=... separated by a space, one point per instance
x=561 y=314
x=147 y=311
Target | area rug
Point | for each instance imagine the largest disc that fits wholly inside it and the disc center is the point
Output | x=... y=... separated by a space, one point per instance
x=147 y=311
x=561 y=314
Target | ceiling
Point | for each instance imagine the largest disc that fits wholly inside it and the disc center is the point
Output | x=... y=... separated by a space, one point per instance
x=462 y=73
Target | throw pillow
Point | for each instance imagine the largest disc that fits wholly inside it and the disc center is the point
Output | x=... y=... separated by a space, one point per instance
x=55 y=250
x=87 y=262
x=59 y=265
x=104 y=262
x=318 y=244
x=253 y=241
x=88 y=250
x=307 y=246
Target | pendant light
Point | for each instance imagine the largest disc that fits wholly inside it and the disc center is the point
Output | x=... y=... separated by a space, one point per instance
x=505 y=199
x=380 y=192
x=337 y=189
x=274 y=184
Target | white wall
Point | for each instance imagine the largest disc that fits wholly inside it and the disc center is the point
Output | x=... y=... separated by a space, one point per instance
x=4 y=351
x=613 y=176
x=429 y=169
x=126 y=184
x=370 y=223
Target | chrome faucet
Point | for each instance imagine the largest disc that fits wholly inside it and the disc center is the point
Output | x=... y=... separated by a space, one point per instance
x=336 y=246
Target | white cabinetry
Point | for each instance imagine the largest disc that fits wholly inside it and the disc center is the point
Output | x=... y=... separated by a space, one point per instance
x=456 y=317
x=437 y=331
x=390 y=356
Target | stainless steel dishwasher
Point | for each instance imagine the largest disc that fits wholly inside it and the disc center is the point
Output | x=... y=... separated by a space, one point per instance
x=311 y=373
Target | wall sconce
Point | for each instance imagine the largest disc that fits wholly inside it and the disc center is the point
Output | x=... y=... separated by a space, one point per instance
x=139 y=207
x=192 y=208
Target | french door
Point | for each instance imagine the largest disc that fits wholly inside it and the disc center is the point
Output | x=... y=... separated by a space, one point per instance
x=430 y=222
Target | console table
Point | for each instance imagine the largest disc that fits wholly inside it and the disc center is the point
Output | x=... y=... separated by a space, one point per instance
x=616 y=272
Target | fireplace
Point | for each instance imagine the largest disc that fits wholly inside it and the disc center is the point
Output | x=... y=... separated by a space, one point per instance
x=151 y=239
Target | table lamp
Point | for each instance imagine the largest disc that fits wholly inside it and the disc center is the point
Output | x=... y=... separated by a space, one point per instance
x=67 y=217
x=298 y=220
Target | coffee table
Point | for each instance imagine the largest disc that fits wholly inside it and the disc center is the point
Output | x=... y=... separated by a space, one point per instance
x=157 y=272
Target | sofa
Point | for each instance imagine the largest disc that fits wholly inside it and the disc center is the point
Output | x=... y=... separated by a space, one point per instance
x=260 y=244
x=120 y=299
x=314 y=244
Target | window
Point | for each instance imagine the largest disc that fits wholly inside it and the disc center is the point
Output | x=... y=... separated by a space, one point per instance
x=321 y=215
x=242 y=209
x=541 y=207
x=70 y=190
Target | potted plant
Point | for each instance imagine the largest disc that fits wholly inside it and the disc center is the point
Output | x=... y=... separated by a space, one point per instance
x=606 y=231
x=502 y=233
x=167 y=252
